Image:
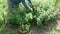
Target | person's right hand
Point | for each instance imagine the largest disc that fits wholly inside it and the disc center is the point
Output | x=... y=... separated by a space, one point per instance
x=30 y=9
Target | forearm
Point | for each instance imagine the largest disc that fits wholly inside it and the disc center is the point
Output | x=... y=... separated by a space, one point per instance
x=25 y=4
x=30 y=1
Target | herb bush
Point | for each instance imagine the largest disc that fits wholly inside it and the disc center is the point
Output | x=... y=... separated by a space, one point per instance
x=43 y=13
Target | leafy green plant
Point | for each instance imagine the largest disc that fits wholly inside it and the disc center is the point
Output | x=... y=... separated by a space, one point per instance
x=25 y=27
x=45 y=13
x=42 y=13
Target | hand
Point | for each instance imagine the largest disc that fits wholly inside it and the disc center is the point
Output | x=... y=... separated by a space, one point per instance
x=32 y=5
x=30 y=9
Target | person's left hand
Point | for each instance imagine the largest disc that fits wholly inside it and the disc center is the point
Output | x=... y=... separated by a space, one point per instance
x=32 y=5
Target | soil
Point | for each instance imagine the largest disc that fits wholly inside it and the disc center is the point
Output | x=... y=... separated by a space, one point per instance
x=52 y=28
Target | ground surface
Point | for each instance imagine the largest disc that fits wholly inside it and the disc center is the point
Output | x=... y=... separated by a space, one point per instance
x=51 y=28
